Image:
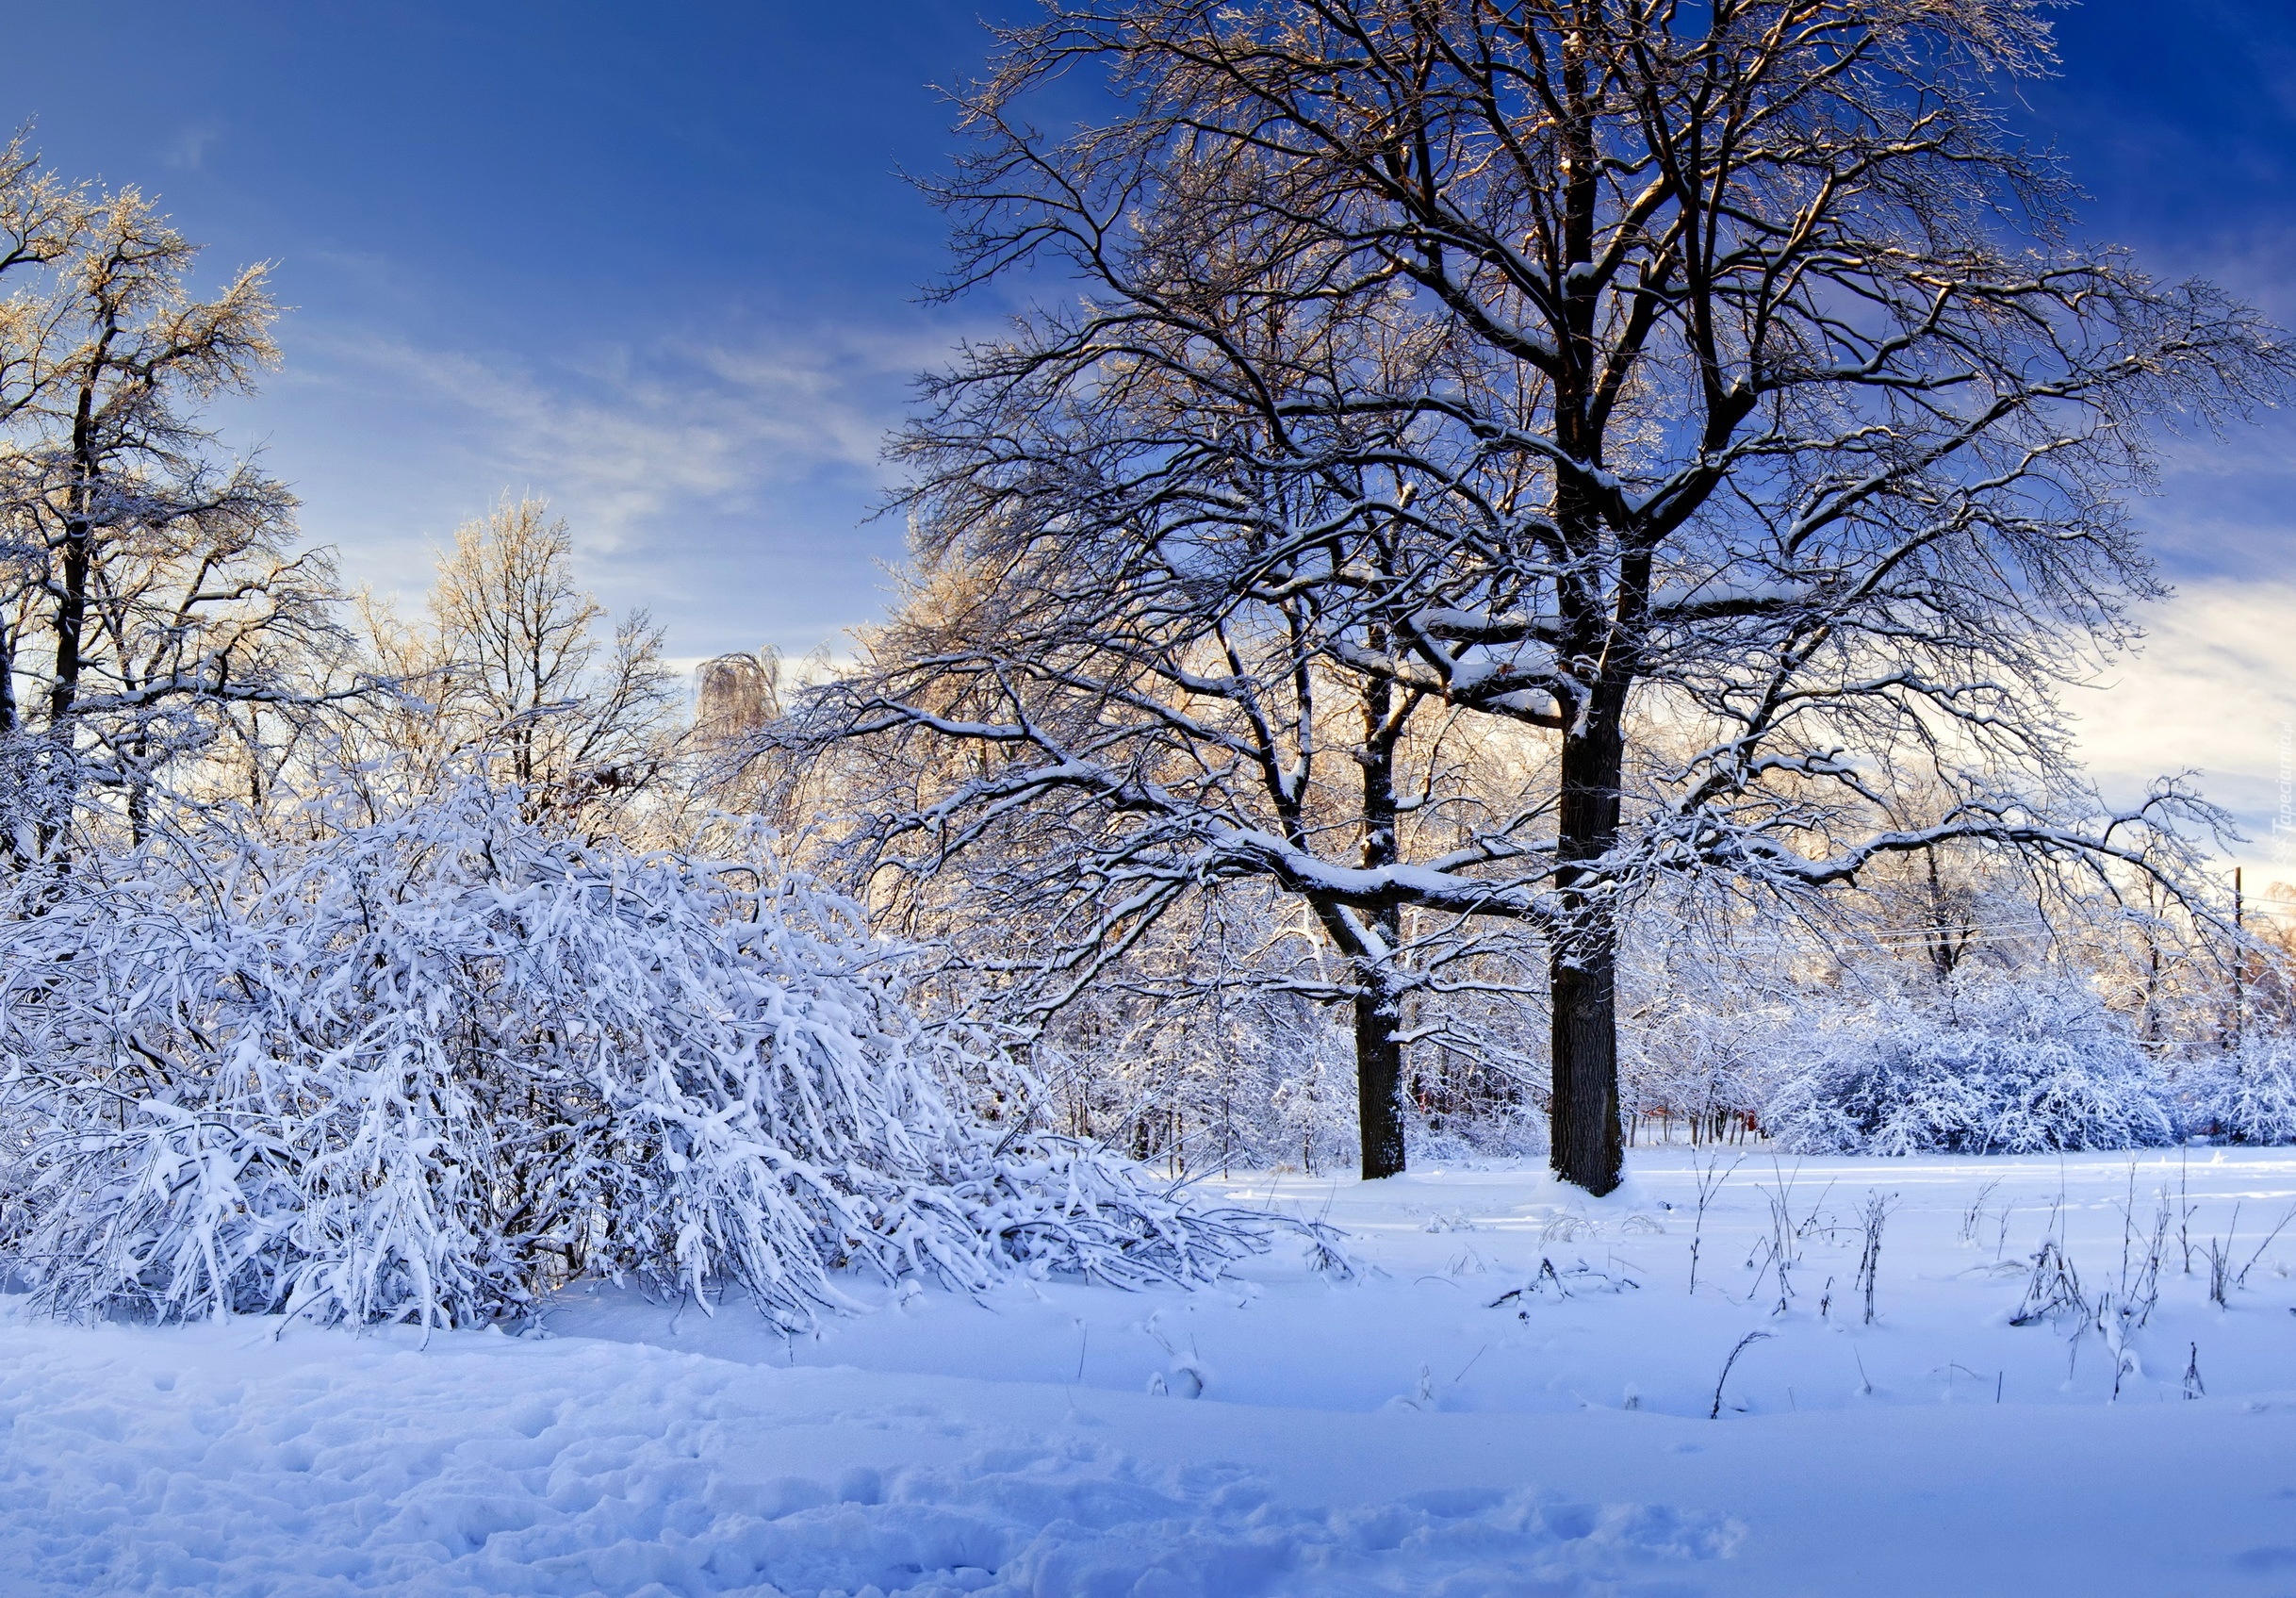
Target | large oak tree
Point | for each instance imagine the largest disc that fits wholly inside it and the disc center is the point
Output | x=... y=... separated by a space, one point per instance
x=1702 y=404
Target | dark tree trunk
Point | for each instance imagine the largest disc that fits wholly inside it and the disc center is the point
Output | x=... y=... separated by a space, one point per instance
x=79 y=547
x=1587 y=1142
x=1585 y=1145
x=10 y=719
x=1379 y=1058
x=72 y=605
x=61 y=788
x=71 y=620
x=1379 y=1075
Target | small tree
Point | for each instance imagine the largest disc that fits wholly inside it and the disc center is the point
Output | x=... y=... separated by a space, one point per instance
x=735 y=695
x=148 y=591
x=510 y=662
x=1703 y=402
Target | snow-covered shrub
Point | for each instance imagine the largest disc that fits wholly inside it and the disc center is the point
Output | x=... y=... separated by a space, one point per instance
x=1985 y=1067
x=1205 y=1046
x=428 y=1067
x=1309 y=1114
x=2244 y=1095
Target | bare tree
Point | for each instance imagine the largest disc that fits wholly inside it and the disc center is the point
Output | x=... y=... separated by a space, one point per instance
x=150 y=588
x=735 y=695
x=1705 y=394
x=511 y=661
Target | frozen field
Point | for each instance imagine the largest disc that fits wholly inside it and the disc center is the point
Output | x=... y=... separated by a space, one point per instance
x=1286 y=1433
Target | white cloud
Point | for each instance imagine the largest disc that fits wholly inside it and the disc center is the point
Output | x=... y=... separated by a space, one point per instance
x=723 y=482
x=186 y=148
x=633 y=436
x=2213 y=692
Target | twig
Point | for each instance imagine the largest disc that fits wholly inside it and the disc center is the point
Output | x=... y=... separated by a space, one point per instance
x=2184 y=1206
x=1710 y=1183
x=1975 y=1215
x=1752 y=1337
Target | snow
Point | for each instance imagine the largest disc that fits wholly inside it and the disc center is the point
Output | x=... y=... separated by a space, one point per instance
x=1396 y=1434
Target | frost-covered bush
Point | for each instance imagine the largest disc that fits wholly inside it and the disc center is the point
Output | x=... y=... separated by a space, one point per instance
x=2246 y=1095
x=1988 y=1066
x=429 y=1067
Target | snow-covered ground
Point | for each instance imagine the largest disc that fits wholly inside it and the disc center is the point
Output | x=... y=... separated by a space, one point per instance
x=1417 y=1430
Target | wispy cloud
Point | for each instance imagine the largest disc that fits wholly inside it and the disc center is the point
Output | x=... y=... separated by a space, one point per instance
x=724 y=482
x=187 y=147
x=630 y=437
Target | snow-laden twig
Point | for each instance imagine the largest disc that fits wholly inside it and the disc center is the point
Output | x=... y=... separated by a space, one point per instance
x=2053 y=1290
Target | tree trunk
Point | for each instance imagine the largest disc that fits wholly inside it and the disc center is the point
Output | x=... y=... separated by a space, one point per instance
x=1378 y=1075
x=1583 y=1128
x=79 y=547
x=1585 y=1142
x=1379 y=1059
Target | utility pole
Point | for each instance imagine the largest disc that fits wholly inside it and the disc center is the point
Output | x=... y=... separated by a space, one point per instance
x=2240 y=959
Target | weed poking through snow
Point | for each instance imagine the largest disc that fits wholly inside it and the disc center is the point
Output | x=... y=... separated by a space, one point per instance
x=1744 y=1343
x=1710 y=1179
x=2053 y=1289
x=1871 y=1215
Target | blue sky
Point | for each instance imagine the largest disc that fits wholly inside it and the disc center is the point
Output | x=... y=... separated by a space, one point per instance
x=656 y=263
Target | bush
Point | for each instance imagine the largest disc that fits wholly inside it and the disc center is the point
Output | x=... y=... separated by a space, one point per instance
x=2244 y=1096
x=430 y=1067
x=1988 y=1066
